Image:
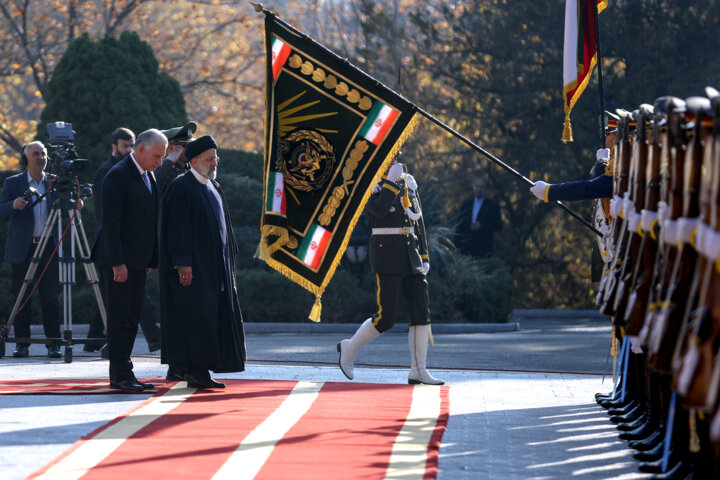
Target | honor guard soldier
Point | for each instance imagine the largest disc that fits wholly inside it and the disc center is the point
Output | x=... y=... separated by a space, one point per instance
x=399 y=259
x=175 y=163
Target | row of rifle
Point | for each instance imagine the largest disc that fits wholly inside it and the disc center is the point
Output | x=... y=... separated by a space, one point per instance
x=661 y=285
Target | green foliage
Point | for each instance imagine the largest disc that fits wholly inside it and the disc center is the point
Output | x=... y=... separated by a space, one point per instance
x=267 y=296
x=244 y=198
x=241 y=163
x=99 y=86
x=479 y=290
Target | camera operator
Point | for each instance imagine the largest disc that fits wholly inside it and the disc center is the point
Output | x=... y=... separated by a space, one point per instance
x=24 y=231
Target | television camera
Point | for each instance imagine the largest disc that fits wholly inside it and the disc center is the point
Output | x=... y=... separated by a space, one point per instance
x=64 y=160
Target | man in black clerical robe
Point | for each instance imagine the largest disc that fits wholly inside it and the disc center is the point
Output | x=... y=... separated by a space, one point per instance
x=201 y=312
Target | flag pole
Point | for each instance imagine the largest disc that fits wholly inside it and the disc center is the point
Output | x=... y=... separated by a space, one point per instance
x=596 y=14
x=259 y=8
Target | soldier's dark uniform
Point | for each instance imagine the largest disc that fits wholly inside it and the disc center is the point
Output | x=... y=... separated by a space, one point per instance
x=169 y=170
x=399 y=260
x=398 y=248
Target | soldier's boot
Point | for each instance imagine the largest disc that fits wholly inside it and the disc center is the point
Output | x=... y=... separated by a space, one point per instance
x=348 y=348
x=418 y=337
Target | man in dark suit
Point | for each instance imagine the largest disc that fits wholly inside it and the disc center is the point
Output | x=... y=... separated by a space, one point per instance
x=479 y=219
x=126 y=249
x=24 y=231
x=122 y=141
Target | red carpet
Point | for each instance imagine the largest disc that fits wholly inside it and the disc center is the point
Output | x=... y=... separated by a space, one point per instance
x=66 y=386
x=266 y=429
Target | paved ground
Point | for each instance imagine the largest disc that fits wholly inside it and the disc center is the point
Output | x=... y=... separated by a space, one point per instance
x=521 y=401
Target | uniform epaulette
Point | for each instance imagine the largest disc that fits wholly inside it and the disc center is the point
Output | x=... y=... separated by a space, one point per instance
x=391 y=186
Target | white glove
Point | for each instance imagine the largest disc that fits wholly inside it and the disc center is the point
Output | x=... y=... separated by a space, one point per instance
x=410 y=182
x=539 y=190
x=603 y=154
x=395 y=172
x=426 y=267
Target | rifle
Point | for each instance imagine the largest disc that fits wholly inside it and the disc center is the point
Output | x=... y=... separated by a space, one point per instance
x=619 y=227
x=694 y=358
x=645 y=262
x=633 y=251
x=686 y=187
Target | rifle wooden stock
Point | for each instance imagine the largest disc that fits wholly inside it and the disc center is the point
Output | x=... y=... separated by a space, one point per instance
x=675 y=305
x=645 y=265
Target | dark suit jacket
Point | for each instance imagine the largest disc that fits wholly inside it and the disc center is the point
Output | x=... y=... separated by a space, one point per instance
x=128 y=232
x=20 y=229
x=477 y=242
x=98 y=190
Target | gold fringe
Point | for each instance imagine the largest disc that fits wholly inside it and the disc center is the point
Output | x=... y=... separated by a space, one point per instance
x=316 y=310
x=265 y=250
x=431 y=338
x=319 y=289
x=613 y=345
x=567 y=130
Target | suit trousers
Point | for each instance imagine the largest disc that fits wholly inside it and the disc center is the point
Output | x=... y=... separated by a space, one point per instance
x=391 y=289
x=48 y=287
x=123 y=303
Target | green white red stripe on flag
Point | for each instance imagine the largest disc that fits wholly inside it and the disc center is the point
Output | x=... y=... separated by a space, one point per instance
x=314 y=245
x=276 y=194
x=379 y=120
x=579 y=53
x=280 y=53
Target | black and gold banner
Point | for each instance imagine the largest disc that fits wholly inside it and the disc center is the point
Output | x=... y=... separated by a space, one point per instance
x=331 y=130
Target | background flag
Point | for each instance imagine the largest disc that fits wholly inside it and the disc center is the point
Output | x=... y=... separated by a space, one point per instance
x=579 y=53
x=330 y=132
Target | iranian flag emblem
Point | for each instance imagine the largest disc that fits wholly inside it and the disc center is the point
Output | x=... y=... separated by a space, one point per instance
x=275 y=193
x=378 y=123
x=314 y=245
x=280 y=53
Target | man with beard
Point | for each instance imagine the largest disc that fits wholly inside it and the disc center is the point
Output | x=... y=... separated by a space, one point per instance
x=202 y=322
x=122 y=141
x=175 y=162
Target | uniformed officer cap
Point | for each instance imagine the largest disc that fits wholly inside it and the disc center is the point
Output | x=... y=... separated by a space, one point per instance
x=181 y=135
x=611 y=120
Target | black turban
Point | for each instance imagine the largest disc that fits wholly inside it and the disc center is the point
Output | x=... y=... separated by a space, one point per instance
x=196 y=147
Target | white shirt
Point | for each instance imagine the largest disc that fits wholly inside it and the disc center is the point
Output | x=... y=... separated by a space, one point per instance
x=40 y=212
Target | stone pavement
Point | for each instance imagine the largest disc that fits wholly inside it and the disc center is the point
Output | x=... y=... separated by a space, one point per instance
x=521 y=401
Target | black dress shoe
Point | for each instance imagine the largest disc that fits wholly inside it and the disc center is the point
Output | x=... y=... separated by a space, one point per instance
x=651 y=455
x=21 y=351
x=646 y=443
x=175 y=373
x=201 y=379
x=126 y=385
x=627 y=410
x=93 y=346
x=154 y=346
x=640 y=433
x=146 y=386
x=680 y=471
x=635 y=424
x=54 y=351
x=656 y=466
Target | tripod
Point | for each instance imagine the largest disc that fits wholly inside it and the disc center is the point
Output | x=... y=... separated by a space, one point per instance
x=66 y=273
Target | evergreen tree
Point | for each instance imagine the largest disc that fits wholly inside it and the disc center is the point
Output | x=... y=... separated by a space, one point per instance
x=113 y=82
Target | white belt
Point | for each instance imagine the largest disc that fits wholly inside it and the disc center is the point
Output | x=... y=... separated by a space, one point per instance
x=393 y=231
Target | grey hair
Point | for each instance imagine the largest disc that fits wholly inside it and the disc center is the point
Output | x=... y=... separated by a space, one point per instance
x=36 y=142
x=149 y=138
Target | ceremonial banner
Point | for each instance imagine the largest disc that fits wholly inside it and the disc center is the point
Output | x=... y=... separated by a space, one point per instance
x=330 y=132
x=579 y=53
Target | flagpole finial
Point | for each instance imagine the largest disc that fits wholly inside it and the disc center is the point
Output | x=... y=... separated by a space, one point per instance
x=257 y=6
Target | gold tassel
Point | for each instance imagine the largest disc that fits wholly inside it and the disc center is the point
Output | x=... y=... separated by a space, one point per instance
x=432 y=339
x=567 y=131
x=316 y=309
x=613 y=347
x=694 y=445
x=406 y=199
